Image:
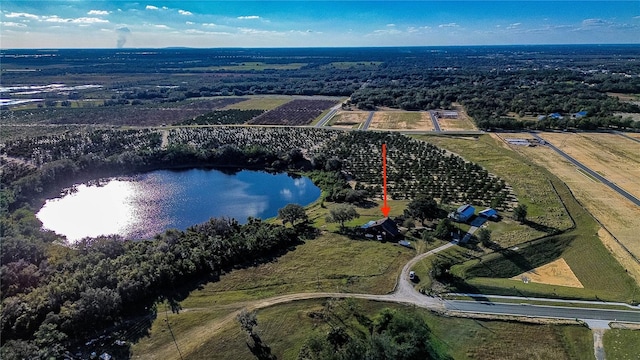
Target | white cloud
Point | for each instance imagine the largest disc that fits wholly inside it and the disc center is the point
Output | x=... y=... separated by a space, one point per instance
x=209 y=24
x=449 y=25
x=98 y=12
x=189 y=22
x=594 y=22
x=151 y=7
x=391 y=25
x=185 y=12
x=514 y=26
x=249 y=17
x=22 y=15
x=286 y=194
x=161 y=26
x=81 y=20
x=13 y=24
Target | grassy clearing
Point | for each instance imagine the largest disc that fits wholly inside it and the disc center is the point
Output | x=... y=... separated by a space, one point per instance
x=622 y=344
x=260 y=103
x=349 y=119
x=529 y=183
x=602 y=277
x=461 y=338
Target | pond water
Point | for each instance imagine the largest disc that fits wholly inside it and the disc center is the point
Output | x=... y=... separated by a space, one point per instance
x=141 y=206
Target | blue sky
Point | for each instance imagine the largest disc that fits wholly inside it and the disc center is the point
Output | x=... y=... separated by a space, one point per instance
x=191 y=23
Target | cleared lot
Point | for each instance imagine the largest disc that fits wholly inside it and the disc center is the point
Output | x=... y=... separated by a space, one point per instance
x=612 y=156
x=401 y=120
x=619 y=216
x=349 y=119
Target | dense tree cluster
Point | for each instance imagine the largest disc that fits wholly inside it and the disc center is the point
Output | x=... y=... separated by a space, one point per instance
x=390 y=334
x=50 y=291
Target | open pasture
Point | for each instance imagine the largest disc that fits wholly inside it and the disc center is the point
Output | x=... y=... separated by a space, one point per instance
x=618 y=215
x=349 y=119
x=259 y=103
x=463 y=122
x=401 y=120
x=461 y=338
x=610 y=155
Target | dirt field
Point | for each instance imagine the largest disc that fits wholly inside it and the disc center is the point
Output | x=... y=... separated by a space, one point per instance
x=349 y=119
x=463 y=122
x=610 y=155
x=618 y=215
x=633 y=135
x=401 y=120
x=554 y=273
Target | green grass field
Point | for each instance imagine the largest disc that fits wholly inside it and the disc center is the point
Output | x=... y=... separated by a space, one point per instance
x=460 y=338
x=260 y=103
x=602 y=277
x=622 y=344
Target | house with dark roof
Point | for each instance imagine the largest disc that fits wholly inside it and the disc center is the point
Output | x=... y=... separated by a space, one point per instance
x=385 y=227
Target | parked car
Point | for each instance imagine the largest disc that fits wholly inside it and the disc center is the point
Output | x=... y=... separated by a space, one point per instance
x=412 y=275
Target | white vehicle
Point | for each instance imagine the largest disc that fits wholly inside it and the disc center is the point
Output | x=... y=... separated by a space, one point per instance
x=412 y=275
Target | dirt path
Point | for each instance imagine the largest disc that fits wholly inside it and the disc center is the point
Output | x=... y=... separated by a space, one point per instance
x=598 y=346
x=404 y=293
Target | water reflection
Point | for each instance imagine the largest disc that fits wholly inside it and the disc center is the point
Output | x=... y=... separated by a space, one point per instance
x=147 y=204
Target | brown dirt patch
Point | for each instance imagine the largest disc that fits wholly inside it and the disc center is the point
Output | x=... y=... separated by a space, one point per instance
x=401 y=120
x=463 y=122
x=554 y=273
x=617 y=214
x=349 y=119
x=610 y=155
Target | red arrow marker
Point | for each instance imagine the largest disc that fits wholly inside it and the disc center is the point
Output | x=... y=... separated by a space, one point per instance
x=385 y=208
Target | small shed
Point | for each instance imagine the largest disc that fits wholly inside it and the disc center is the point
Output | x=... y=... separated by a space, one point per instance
x=463 y=213
x=385 y=227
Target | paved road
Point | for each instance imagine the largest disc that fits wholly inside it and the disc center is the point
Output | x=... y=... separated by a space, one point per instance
x=547 y=311
x=434 y=120
x=575 y=162
x=325 y=119
x=368 y=122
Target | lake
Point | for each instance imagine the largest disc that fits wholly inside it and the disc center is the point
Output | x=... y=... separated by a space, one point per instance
x=141 y=206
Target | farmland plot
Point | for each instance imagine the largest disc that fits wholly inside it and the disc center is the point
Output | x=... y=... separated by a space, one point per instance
x=402 y=120
x=297 y=112
x=619 y=216
x=349 y=119
x=612 y=156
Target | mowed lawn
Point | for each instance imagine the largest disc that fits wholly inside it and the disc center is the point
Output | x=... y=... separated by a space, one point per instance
x=622 y=344
x=460 y=338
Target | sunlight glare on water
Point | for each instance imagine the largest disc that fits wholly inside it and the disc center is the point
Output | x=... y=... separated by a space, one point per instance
x=147 y=204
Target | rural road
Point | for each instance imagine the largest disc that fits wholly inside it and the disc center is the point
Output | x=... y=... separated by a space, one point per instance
x=325 y=119
x=434 y=120
x=405 y=293
x=626 y=136
x=365 y=127
x=594 y=174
